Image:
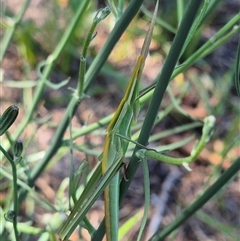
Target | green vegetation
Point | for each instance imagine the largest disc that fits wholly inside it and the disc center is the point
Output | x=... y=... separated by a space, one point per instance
x=101 y=43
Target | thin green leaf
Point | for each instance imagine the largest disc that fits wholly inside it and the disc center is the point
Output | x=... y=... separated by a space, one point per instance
x=237 y=70
x=146 y=181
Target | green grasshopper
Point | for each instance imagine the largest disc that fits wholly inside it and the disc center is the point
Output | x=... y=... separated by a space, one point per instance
x=115 y=146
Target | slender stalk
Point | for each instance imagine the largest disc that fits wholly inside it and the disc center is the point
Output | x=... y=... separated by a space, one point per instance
x=196 y=24
x=237 y=69
x=11 y=29
x=100 y=15
x=146 y=197
x=180 y=10
x=15 y=196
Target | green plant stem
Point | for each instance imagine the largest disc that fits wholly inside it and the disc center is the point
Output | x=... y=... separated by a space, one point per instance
x=196 y=205
x=237 y=69
x=100 y=15
x=15 y=196
x=9 y=33
x=146 y=197
x=212 y=6
x=162 y=83
x=196 y=24
x=120 y=7
x=82 y=70
x=180 y=10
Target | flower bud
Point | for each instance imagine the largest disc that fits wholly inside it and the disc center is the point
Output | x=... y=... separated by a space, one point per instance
x=7 y=118
x=17 y=151
x=17 y=148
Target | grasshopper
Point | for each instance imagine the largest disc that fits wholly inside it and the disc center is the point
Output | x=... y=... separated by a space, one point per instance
x=115 y=146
